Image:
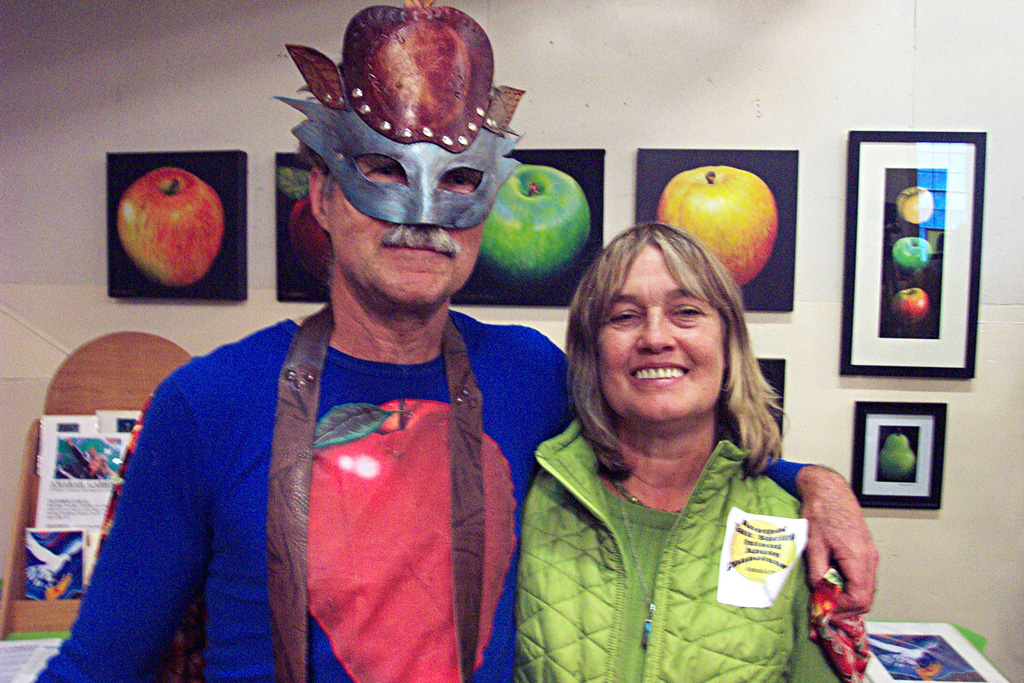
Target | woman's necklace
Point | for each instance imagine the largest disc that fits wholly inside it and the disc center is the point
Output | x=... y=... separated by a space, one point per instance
x=624 y=492
x=636 y=560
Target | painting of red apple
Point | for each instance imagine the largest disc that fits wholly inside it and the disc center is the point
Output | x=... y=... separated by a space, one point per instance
x=740 y=203
x=910 y=305
x=176 y=225
x=171 y=223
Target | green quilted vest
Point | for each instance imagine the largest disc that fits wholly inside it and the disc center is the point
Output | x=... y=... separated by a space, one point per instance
x=572 y=583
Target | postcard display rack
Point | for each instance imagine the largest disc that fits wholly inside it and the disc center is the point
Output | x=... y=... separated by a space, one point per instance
x=117 y=371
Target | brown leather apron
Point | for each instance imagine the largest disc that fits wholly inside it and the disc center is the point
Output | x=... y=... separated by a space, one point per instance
x=288 y=494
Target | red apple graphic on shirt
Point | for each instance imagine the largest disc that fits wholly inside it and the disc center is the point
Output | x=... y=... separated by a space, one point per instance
x=380 y=552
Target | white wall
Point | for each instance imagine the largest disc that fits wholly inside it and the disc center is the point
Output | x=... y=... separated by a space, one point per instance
x=84 y=78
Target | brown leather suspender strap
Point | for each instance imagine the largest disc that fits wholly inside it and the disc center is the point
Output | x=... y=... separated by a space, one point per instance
x=465 y=430
x=288 y=495
x=291 y=461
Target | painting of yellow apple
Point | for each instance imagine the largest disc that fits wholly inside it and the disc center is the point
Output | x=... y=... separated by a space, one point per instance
x=730 y=209
x=915 y=204
x=171 y=223
x=740 y=202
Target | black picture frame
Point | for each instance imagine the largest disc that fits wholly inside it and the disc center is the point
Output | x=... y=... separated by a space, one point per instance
x=774 y=371
x=895 y=482
x=907 y=314
x=147 y=276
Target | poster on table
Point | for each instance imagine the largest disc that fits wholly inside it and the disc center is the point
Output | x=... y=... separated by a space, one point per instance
x=905 y=651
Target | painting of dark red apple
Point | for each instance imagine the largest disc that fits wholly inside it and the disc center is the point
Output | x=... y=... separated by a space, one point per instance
x=303 y=249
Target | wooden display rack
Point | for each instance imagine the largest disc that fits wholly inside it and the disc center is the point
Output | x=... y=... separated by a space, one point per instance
x=118 y=371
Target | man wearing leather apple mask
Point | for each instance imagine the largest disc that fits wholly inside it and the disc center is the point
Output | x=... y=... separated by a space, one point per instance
x=432 y=123
x=343 y=492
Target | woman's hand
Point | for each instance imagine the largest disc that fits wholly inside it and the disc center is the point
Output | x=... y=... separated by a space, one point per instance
x=839 y=536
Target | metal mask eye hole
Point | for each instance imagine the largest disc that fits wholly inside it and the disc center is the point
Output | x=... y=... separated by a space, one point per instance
x=461 y=180
x=378 y=168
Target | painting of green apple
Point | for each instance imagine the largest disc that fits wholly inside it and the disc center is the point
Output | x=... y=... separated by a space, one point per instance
x=544 y=230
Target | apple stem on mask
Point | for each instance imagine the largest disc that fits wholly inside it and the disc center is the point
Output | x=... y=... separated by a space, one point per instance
x=171 y=187
x=532 y=190
x=710 y=175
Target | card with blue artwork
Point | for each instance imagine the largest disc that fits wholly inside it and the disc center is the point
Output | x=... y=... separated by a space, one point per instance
x=54 y=564
x=905 y=651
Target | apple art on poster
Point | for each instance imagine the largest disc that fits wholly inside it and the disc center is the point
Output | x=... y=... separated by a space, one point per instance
x=913 y=253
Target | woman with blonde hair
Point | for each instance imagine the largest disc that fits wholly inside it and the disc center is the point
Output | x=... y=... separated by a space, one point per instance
x=652 y=548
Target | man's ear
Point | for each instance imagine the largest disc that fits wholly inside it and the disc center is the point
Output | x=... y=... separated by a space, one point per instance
x=317 y=180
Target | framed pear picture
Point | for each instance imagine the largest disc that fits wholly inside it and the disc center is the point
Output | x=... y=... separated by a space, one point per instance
x=898 y=453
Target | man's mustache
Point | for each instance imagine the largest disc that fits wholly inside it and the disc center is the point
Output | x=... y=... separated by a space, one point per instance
x=421 y=237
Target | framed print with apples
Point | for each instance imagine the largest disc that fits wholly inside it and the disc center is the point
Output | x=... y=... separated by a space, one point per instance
x=544 y=230
x=742 y=203
x=176 y=225
x=913 y=253
x=303 y=248
x=898 y=451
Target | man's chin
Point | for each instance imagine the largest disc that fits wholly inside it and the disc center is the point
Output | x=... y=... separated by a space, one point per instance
x=418 y=291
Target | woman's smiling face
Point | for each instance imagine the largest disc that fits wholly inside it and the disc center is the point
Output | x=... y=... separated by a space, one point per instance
x=661 y=353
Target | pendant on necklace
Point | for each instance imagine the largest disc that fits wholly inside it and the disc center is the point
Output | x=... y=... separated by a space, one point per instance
x=647 y=628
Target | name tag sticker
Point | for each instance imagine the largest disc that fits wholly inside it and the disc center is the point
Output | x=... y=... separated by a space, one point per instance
x=758 y=554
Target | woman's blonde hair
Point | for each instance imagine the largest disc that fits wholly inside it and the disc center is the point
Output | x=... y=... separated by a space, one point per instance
x=747 y=407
